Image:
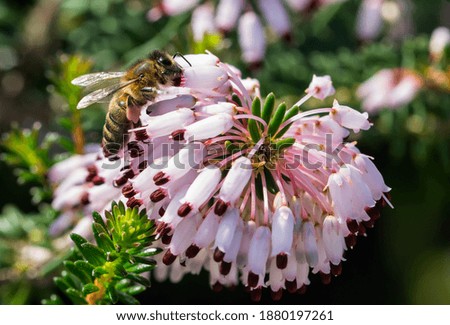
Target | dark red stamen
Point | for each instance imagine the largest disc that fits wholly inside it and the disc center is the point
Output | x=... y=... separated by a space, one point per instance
x=291 y=286
x=217 y=287
x=374 y=213
x=252 y=279
x=141 y=135
x=128 y=191
x=350 y=241
x=256 y=294
x=184 y=210
x=325 y=277
x=158 y=195
x=336 y=269
x=98 y=180
x=352 y=225
x=282 y=260
x=225 y=268
x=133 y=202
x=160 y=178
x=143 y=165
x=276 y=295
x=302 y=290
x=85 y=198
x=220 y=207
x=166 y=239
x=168 y=258
x=178 y=135
x=361 y=230
x=218 y=255
x=120 y=181
x=192 y=251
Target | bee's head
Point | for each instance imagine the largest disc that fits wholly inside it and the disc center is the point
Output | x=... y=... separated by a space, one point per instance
x=167 y=69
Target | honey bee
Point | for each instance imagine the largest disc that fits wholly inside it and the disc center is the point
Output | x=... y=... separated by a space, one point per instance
x=130 y=91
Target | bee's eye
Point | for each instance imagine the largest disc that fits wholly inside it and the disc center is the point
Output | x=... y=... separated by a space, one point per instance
x=165 y=61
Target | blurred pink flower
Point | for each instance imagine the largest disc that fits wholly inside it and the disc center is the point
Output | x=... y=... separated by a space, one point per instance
x=369 y=20
x=203 y=22
x=389 y=88
x=251 y=38
x=440 y=38
x=394 y=17
x=266 y=212
x=228 y=15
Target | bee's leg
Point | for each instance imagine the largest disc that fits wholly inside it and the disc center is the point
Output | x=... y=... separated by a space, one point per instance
x=149 y=93
x=134 y=111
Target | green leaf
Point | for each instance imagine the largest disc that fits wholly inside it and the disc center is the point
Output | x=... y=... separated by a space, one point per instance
x=78 y=240
x=149 y=251
x=276 y=119
x=123 y=284
x=252 y=126
x=89 y=288
x=72 y=281
x=256 y=107
x=139 y=259
x=61 y=283
x=93 y=254
x=139 y=279
x=122 y=208
x=269 y=105
x=271 y=185
x=85 y=266
x=291 y=113
x=119 y=269
x=98 y=272
x=113 y=294
x=78 y=272
x=286 y=178
x=258 y=187
x=98 y=219
x=132 y=232
x=140 y=268
x=231 y=147
x=127 y=299
x=103 y=240
x=284 y=144
x=135 y=290
x=76 y=296
x=107 y=243
x=235 y=98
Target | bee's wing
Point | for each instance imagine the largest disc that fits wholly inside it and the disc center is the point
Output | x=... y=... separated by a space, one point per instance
x=93 y=78
x=99 y=94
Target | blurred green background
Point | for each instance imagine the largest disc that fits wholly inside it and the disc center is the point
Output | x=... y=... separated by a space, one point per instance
x=404 y=260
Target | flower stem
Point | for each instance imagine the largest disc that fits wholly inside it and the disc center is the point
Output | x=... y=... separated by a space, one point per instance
x=77 y=132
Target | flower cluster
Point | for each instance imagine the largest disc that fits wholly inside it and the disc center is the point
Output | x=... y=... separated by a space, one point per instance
x=256 y=193
x=245 y=16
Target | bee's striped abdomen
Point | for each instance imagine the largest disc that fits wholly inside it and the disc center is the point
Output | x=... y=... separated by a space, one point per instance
x=115 y=130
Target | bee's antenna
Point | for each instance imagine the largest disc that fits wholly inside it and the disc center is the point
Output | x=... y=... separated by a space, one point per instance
x=179 y=54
